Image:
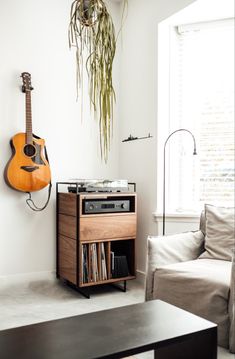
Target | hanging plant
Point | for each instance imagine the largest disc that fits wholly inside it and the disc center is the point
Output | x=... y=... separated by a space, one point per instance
x=92 y=32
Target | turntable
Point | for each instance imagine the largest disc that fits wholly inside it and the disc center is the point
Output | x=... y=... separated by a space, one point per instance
x=98 y=185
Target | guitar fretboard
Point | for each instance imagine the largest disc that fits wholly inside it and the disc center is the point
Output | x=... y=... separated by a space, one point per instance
x=28 y=113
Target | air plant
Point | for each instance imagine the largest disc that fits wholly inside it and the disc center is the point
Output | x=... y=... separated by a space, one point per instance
x=92 y=33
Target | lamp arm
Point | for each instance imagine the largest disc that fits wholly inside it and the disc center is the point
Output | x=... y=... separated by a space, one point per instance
x=182 y=129
x=164 y=172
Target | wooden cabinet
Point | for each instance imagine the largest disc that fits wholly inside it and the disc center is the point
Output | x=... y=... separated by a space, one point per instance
x=89 y=245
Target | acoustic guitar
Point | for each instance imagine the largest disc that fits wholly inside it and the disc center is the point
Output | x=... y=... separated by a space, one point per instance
x=28 y=169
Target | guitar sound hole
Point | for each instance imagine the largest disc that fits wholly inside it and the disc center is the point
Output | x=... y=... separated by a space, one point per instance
x=29 y=150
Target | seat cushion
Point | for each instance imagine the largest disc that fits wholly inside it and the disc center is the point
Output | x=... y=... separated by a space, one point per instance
x=201 y=287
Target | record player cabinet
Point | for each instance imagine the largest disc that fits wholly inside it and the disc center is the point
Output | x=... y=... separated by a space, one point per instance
x=89 y=244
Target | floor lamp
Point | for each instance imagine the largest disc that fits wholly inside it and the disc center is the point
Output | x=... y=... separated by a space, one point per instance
x=164 y=173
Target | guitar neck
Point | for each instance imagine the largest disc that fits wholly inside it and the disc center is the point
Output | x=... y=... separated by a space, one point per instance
x=28 y=114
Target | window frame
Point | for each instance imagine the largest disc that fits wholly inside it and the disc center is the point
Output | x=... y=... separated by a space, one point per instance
x=166 y=36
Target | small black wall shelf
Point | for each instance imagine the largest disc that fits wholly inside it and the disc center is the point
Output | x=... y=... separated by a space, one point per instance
x=132 y=138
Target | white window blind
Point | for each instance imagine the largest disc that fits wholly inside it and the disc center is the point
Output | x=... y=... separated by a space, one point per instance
x=202 y=100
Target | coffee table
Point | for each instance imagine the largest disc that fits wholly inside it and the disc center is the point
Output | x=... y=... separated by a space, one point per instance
x=116 y=333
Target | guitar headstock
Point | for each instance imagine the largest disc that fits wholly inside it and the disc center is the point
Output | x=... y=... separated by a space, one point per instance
x=27 y=86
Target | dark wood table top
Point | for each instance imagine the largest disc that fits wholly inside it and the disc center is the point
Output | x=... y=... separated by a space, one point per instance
x=113 y=333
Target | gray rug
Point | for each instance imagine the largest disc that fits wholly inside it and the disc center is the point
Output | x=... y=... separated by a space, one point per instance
x=39 y=301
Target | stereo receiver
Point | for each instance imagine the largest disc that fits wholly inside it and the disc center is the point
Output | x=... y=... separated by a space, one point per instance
x=105 y=206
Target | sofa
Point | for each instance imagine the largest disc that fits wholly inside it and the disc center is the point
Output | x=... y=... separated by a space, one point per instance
x=195 y=271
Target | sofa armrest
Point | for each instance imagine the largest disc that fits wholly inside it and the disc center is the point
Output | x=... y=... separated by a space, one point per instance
x=232 y=307
x=164 y=250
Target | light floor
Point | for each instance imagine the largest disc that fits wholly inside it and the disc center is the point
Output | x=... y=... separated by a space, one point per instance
x=22 y=304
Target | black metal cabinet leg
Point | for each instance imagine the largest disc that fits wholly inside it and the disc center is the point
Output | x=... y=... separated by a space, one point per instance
x=122 y=288
x=84 y=292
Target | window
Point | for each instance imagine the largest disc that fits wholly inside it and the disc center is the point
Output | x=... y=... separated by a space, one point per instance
x=202 y=101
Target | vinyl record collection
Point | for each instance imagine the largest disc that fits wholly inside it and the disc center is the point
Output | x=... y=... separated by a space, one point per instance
x=100 y=264
x=94 y=262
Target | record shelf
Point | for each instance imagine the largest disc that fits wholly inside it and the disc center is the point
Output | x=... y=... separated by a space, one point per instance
x=95 y=248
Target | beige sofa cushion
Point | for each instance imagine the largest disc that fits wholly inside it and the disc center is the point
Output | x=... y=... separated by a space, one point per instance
x=200 y=286
x=163 y=250
x=219 y=240
x=175 y=248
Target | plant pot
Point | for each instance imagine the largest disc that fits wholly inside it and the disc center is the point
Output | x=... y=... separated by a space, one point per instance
x=87 y=15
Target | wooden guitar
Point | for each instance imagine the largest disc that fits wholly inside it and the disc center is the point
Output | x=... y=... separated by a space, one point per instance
x=27 y=170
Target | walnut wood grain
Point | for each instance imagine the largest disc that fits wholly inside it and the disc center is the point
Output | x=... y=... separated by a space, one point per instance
x=111 y=280
x=109 y=228
x=68 y=204
x=104 y=227
x=67 y=226
x=67 y=259
x=80 y=264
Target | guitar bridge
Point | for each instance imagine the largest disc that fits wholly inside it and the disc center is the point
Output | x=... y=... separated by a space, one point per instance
x=29 y=168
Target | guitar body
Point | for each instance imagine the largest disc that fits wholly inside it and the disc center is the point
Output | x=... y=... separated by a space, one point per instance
x=27 y=170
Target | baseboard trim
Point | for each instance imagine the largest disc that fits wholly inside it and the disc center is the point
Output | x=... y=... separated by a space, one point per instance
x=26 y=277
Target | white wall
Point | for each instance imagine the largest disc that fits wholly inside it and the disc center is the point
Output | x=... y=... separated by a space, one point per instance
x=33 y=38
x=140 y=107
x=139 y=61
